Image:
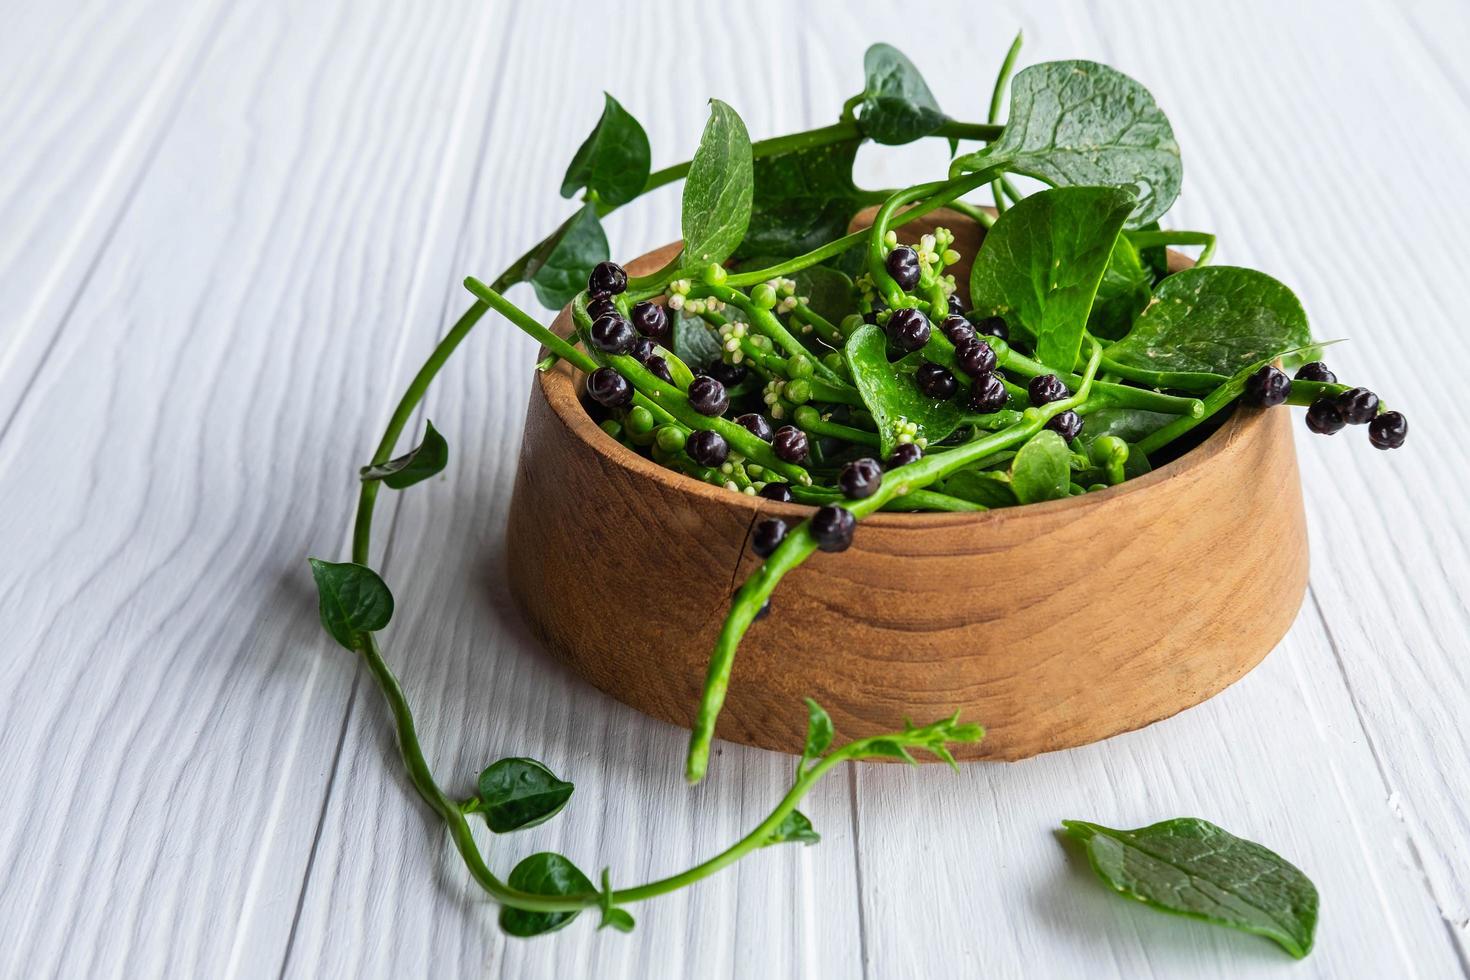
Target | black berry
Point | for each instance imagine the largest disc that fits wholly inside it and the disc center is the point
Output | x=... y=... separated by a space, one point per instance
x=1316 y=371
x=988 y=394
x=935 y=381
x=833 y=527
x=707 y=396
x=994 y=326
x=955 y=305
x=957 y=329
x=660 y=368
x=790 y=444
x=728 y=375
x=608 y=388
x=776 y=491
x=607 y=277
x=904 y=454
x=974 y=358
x=651 y=320
x=1357 y=406
x=641 y=349
x=1388 y=430
x=1323 y=417
x=1046 y=388
x=1268 y=386
x=757 y=425
x=903 y=265
x=860 y=478
x=1066 y=424
x=909 y=328
x=612 y=334
x=602 y=306
x=707 y=448
x=767 y=535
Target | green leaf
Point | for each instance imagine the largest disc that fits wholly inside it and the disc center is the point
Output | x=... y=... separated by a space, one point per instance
x=829 y=293
x=897 y=105
x=1128 y=424
x=694 y=341
x=1122 y=294
x=545 y=873
x=613 y=161
x=1212 y=322
x=1075 y=123
x=1042 y=469
x=718 y=191
x=517 y=792
x=818 y=731
x=794 y=829
x=1041 y=263
x=353 y=600
x=619 y=919
x=890 y=392
x=419 y=463
x=889 y=749
x=559 y=269
x=987 y=488
x=802 y=200
x=1191 y=867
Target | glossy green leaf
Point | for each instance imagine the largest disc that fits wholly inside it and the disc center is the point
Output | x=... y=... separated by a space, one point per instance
x=517 y=792
x=1191 y=867
x=559 y=269
x=1122 y=293
x=829 y=293
x=719 y=189
x=802 y=200
x=890 y=392
x=352 y=600
x=818 y=732
x=1212 y=322
x=990 y=489
x=1079 y=123
x=694 y=341
x=613 y=161
x=897 y=105
x=1042 y=469
x=419 y=463
x=545 y=873
x=1041 y=263
x=794 y=829
x=1128 y=424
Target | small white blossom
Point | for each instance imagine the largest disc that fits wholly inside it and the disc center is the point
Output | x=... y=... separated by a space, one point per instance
x=676 y=301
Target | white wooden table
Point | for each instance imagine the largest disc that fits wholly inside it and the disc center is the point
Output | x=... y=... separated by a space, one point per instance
x=230 y=232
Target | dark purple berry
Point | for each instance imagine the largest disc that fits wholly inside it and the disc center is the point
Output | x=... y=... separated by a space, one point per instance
x=602 y=306
x=994 y=326
x=904 y=454
x=790 y=444
x=956 y=306
x=776 y=491
x=707 y=448
x=935 y=381
x=1323 y=417
x=612 y=334
x=1268 y=386
x=707 y=396
x=909 y=328
x=958 y=330
x=1316 y=371
x=860 y=478
x=768 y=534
x=608 y=388
x=1388 y=430
x=988 y=394
x=651 y=320
x=1066 y=424
x=903 y=265
x=757 y=424
x=660 y=368
x=975 y=358
x=1357 y=406
x=641 y=349
x=1046 y=388
x=832 y=527
x=728 y=375
x=607 y=277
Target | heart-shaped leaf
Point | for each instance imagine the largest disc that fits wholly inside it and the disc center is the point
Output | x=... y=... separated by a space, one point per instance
x=546 y=873
x=1042 y=469
x=897 y=105
x=891 y=393
x=613 y=161
x=559 y=269
x=419 y=463
x=795 y=828
x=718 y=190
x=352 y=600
x=517 y=792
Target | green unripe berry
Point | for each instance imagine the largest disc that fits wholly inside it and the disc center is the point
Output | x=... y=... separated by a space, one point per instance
x=639 y=421
x=715 y=274
x=798 y=391
x=1108 y=449
x=612 y=427
x=836 y=362
x=805 y=417
x=671 y=438
x=763 y=296
x=800 y=366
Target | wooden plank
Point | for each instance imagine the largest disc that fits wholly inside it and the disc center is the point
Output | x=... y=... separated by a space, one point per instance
x=387 y=896
x=189 y=440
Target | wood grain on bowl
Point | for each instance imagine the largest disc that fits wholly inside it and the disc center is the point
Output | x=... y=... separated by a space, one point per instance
x=1053 y=624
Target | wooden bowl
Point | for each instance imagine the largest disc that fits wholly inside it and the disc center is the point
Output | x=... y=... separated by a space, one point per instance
x=1054 y=624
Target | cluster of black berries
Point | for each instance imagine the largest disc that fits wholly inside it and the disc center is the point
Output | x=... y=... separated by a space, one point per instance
x=613 y=333
x=1330 y=413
